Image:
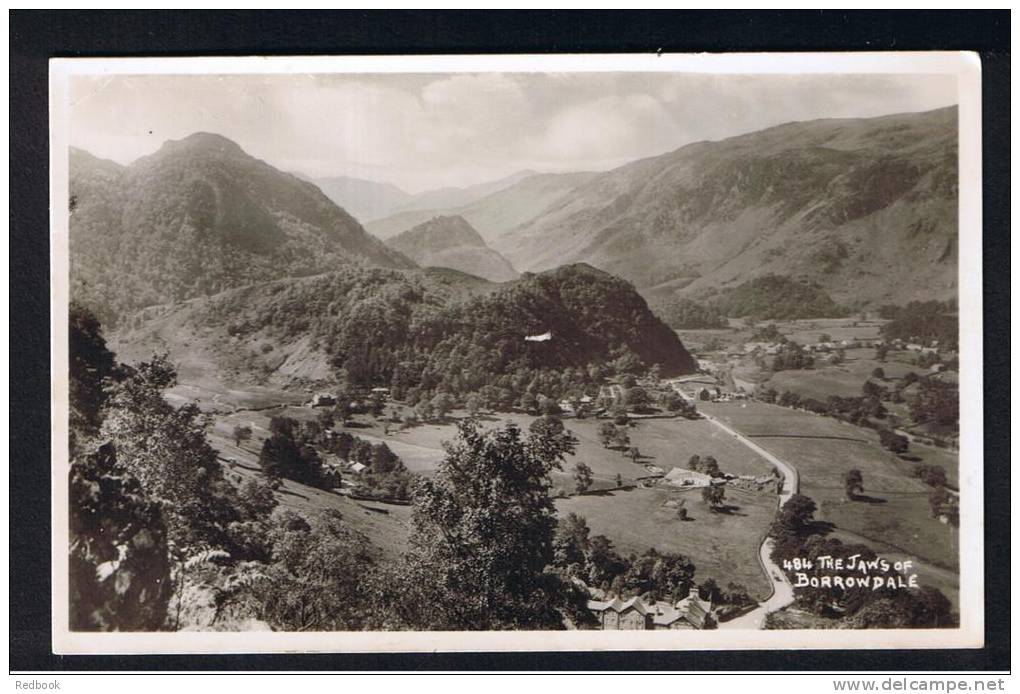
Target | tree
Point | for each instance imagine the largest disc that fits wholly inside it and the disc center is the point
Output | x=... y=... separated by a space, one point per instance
x=442 y=403
x=424 y=411
x=881 y=352
x=619 y=480
x=873 y=390
x=482 y=537
x=660 y=576
x=890 y=440
x=321 y=578
x=713 y=495
x=284 y=426
x=548 y=406
x=582 y=478
x=932 y=475
x=242 y=433
x=789 y=399
x=879 y=373
x=622 y=439
x=604 y=564
x=119 y=564
x=707 y=465
x=926 y=608
x=936 y=402
x=528 y=402
x=279 y=457
x=473 y=404
x=709 y=590
x=853 y=481
x=636 y=398
x=326 y=419
x=570 y=545
x=943 y=503
x=794 y=522
x=634 y=453
x=92 y=365
x=607 y=434
x=166 y=450
x=551 y=428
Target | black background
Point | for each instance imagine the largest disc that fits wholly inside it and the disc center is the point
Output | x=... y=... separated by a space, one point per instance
x=36 y=36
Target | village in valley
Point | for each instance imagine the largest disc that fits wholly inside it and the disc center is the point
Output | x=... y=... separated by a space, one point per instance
x=693 y=464
x=697 y=384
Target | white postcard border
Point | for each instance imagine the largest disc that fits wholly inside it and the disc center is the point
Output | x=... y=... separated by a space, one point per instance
x=970 y=634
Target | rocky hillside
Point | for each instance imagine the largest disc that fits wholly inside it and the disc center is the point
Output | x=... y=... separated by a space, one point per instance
x=452 y=243
x=866 y=208
x=426 y=330
x=196 y=217
x=496 y=213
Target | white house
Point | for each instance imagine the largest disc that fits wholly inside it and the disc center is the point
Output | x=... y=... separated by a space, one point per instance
x=680 y=477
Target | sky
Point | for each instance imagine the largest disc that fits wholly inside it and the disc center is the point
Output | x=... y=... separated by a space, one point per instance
x=427 y=131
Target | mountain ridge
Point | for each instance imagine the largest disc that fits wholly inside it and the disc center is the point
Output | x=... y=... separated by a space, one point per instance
x=423 y=329
x=451 y=242
x=196 y=216
x=839 y=201
x=495 y=213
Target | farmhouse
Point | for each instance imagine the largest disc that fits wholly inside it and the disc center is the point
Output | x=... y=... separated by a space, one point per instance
x=322 y=400
x=358 y=468
x=679 y=477
x=622 y=614
x=690 y=613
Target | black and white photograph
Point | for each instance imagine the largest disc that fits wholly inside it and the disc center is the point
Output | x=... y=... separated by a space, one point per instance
x=540 y=352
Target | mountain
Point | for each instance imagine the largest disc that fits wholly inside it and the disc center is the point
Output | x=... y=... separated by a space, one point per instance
x=865 y=208
x=452 y=243
x=362 y=198
x=424 y=330
x=495 y=213
x=196 y=217
x=451 y=197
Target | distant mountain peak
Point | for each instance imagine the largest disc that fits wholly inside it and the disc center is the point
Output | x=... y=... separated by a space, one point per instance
x=439 y=233
x=203 y=141
x=450 y=241
x=202 y=216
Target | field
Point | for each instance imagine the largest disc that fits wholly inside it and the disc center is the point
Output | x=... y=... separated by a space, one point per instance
x=386 y=525
x=810 y=330
x=894 y=512
x=844 y=379
x=722 y=546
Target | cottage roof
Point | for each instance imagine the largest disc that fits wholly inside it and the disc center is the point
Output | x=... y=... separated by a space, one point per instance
x=679 y=474
x=618 y=605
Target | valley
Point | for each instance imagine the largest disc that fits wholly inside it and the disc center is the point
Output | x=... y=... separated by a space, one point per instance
x=719 y=358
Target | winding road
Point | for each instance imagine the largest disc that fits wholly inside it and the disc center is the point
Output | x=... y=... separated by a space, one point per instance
x=782 y=590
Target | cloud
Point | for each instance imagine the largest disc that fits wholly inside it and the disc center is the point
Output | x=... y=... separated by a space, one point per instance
x=427 y=130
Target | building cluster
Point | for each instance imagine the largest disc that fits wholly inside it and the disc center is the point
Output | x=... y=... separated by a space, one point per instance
x=634 y=613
